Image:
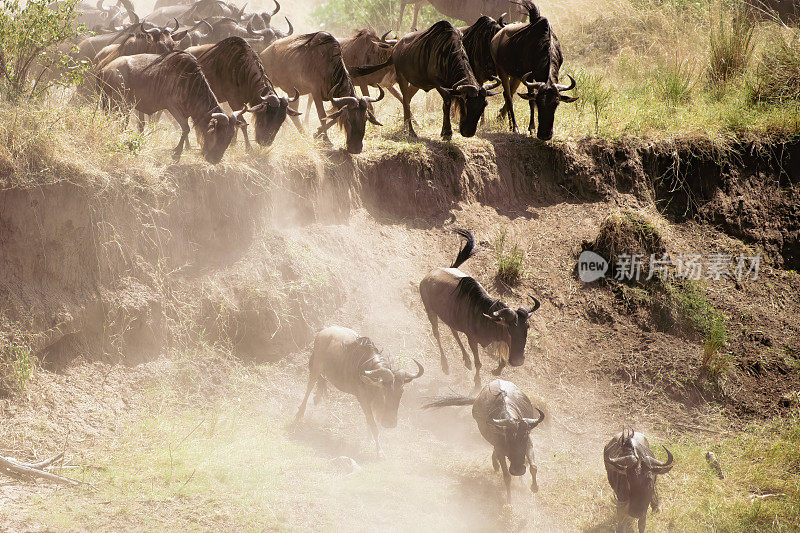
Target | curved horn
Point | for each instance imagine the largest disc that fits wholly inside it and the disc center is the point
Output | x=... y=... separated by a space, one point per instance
x=501 y=21
x=531 y=85
x=151 y=31
x=344 y=101
x=238 y=114
x=253 y=31
x=378 y=99
x=566 y=87
x=535 y=306
x=420 y=371
x=296 y=95
x=291 y=28
x=662 y=468
x=495 y=82
x=277 y=8
x=533 y=423
x=384 y=36
x=210 y=27
x=622 y=463
x=501 y=422
x=177 y=25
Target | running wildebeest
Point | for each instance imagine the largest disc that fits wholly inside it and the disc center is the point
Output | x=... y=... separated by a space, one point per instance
x=531 y=54
x=172 y=82
x=312 y=64
x=236 y=76
x=354 y=365
x=436 y=59
x=504 y=415
x=632 y=470
x=463 y=305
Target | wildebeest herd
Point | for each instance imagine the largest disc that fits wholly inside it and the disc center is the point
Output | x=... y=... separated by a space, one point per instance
x=504 y=414
x=188 y=58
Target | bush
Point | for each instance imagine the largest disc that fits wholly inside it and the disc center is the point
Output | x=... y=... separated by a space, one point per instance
x=628 y=233
x=594 y=96
x=342 y=16
x=731 y=46
x=510 y=259
x=30 y=58
x=674 y=82
x=777 y=77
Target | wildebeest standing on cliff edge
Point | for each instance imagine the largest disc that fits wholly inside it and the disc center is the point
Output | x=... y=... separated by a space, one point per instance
x=174 y=82
x=632 y=469
x=436 y=59
x=463 y=304
x=531 y=54
x=504 y=415
x=236 y=76
x=354 y=365
x=313 y=64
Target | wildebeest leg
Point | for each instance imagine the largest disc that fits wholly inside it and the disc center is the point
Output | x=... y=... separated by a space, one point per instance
x=140 y=123
x=506 y=475
x=307 y=118
x=501 y=364
x=183 y=122
x=643 y=521
x=533 y=468
x=435 y=327
x=532 y=122
x=467 y=362
x=508 y=96
x=622 y=513
x=473 y=345
x=312 y=380
x=654 y=500
x=408 y=91
x=391 y=90
x=373 y=427
x=295 y=120
x=495 y=460
x=319 y=103
x=447 y=128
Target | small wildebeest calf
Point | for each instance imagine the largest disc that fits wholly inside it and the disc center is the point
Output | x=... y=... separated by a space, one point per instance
x=354 y=365
x=632 y=470
x=505 y=418
x=463 y=304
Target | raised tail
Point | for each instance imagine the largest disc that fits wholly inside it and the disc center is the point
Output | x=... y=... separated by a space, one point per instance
x=467 y=250
x=449 y=401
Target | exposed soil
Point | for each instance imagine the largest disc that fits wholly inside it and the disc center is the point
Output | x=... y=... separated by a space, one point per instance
x=115 y=282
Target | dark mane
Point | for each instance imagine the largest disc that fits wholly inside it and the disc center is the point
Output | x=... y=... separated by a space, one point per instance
x=186 y=79
x=241 y=63
x=477 y=39
x=443 y=42
x=537 y=41
x=469 y=291
x=323 y=44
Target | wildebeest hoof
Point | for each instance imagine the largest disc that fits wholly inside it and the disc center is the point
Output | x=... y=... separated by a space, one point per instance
x=447 y=136
x=497 y=371
x=534 y=488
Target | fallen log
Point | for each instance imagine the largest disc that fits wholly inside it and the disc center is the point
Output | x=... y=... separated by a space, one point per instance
x=18 y=469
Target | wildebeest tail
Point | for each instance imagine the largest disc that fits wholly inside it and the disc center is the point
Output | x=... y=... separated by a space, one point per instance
x=357 y=72
x=467 y=250
x=449 y=401
x=533 y=11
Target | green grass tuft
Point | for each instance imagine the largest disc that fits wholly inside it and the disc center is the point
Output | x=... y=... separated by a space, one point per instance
x=509 y=257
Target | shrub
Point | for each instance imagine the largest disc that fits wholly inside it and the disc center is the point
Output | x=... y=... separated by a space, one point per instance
x=731 y=46
x=777 y=76
x=17 y=364
x=674 y=82
x=510 y=259
x=30 y=59
x=593 y=94
x=628 y=233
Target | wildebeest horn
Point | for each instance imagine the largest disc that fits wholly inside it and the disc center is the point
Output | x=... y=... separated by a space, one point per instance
x=535 y=306
x=420 y=371
x=494 y=83
x=291 y=28
x=151 y=31
x=219 y=116
x=200 y=23
x=501 y=21
x=277 y=8
x=253 y=31
x=566 y=87
x=378 y=99
x=384 y=36
x=344 y=101
x=533 y=423
x=501 y=422
x=372 y=118
x=175 y=28
x=532 y=85
x=622 y=463
x=296 y=95
x=662 y=468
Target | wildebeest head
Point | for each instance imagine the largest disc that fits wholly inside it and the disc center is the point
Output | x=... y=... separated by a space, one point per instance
x=352 y=114
x=471 y=101
x=267 y=35
x=640 y=469
x=516 y=433
x=163 y=36
x=269 y=115
x=217 y=135
x=546 y=96
x=266 y=16
x=516 y=325
x=387 y=386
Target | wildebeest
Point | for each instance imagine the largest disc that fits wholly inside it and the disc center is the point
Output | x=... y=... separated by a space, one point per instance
x=632 y=471
x=477 y=40
x=466 y=10
x=366 y=48
x=354 y=365
x=172 y=82
x=189 y=14
x=530 y=53
x=504 y=415
x=312 y=64
x=236 y=76
x=464 y=305
x=154 y=40
x=436 y=59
